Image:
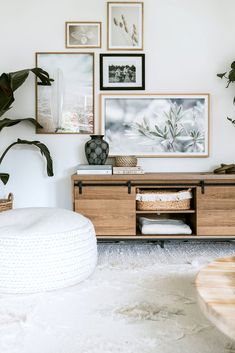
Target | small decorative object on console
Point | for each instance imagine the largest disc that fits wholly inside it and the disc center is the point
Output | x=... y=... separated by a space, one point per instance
x=126 y=161
x=128 y=170
x=225 y=169
x=97 y=150
x=84 y=169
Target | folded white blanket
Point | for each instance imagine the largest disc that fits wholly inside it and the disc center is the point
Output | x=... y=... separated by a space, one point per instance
x=163 y=226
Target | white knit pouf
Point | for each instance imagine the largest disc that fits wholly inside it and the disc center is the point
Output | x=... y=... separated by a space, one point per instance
x=44 y=249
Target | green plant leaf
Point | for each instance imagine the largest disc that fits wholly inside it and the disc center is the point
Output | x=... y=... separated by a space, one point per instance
x=4 y=178
x=11 y=122
x=233 y=65
x=6 y=94
x=232 y=121
x=10 y=82
x=221 y=75
x=17 y=78
x=231 y=76
x=43 y=149
x=43 y=76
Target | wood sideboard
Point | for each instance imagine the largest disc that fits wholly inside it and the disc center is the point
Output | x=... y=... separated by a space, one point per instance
x=109 y=201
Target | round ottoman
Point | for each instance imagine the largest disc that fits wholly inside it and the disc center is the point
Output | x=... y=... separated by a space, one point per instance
x=44 y=249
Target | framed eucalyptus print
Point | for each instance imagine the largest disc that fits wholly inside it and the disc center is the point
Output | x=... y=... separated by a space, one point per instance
x=122 y=71
x=156 y=125
x=125 y=25
x=67 y=106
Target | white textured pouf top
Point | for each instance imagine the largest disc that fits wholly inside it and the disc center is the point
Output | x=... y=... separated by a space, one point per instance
x=44 y=249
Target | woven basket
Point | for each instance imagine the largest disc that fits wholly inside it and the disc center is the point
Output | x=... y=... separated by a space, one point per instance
x=6 y=204
x=125 y=161
x=156 y=200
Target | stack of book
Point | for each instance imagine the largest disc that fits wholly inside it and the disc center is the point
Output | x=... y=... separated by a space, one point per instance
x=128 y=170
x=94 y=169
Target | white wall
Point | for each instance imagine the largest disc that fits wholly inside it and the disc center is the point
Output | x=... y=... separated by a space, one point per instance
x=186 y=43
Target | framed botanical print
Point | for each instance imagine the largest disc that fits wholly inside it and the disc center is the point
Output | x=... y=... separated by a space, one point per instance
x=122 y=71
x=156 y=125
x=125 y=25
x=67 y=106
x=83 y=34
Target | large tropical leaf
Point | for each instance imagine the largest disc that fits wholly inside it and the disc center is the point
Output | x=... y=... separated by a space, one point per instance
x=4 y=177
x=11 y=122
x=17 y=78
x=13 y=80
x=6 y=94
x=43 y=149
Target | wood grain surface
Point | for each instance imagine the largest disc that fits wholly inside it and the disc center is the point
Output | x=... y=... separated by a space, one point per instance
x=216 y=292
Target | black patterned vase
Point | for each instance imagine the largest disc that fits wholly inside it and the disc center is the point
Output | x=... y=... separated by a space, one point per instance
x=96 y=150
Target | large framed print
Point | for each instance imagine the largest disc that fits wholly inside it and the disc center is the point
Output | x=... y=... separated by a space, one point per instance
x=83 y=35
x=67 y=106
x=125 y=25
x=122 y=71
x=156 y=125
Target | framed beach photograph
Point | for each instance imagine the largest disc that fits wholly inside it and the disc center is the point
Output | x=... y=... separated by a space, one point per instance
x=122 y=71
x=67 y=106
x=125 y=25
x=83 y=34
x=156 y=125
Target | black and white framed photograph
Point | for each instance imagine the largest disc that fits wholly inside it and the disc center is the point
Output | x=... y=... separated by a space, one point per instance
x=122 y=71
x=83 y=34
x=156 y=125
x=67 y=106
x=125 y=25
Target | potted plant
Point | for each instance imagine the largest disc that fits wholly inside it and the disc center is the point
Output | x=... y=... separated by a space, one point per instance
x=9 y=83
x=230 y=77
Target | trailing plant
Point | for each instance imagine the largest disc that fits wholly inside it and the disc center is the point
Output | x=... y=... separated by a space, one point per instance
x=230 y=77
x=8 y=85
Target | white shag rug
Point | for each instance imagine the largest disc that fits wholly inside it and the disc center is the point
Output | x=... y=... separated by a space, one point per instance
x=141 y=299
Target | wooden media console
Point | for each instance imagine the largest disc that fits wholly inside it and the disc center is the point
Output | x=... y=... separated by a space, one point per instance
x=109 y=201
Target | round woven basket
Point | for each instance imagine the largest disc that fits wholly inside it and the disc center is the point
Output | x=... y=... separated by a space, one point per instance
x=6 y=204
x=125 y=161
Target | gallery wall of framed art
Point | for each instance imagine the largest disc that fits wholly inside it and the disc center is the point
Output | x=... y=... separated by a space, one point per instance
x=143 y=124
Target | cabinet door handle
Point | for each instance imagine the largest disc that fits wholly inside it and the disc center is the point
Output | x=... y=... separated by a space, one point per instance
x=202 y=184
x=129 y=186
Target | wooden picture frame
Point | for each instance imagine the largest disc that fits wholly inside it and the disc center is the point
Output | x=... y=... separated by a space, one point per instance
x=125 y=22
x=156 y=125
x=122 y=72
x=67 y=106
x=83 y=35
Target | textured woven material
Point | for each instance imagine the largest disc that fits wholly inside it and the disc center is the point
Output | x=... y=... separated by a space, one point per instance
x=125 y=161
x=6 y=204
x=163 y=199
x=44 y=249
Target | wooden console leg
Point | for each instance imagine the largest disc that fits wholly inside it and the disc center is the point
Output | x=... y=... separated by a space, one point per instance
x=162 y=244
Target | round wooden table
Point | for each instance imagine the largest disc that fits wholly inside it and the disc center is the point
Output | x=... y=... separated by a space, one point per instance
x=216 y=291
